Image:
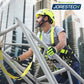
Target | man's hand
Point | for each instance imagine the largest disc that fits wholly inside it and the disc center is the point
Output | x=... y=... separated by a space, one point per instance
x=51 y=51
x=16 y=59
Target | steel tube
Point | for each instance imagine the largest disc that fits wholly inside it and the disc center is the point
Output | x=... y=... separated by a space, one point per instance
x=54 y=73
x=9 y=29
x=59 y=59
x=15 y=68
x=17 y=44
x=40 y=58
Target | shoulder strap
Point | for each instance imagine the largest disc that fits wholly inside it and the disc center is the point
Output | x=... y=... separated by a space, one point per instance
x=41 y=37
x=52 y=35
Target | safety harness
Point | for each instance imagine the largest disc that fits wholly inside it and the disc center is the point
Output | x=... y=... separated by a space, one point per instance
x=66 y=53
x=10 y=75
x=52 y=36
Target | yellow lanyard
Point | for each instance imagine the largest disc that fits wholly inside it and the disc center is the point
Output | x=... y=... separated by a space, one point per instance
x=11 y=76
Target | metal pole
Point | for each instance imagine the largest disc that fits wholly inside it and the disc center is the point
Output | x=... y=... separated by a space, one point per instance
x=68 y=68
x=69 y=76
x=59 y=59
x=17 y=44
x=21 y=68
x=6 y=2
x=36 y=73
x=9 y=29
x=40 y=58
x=54 y=73
x=8 y=79
x=15 y=68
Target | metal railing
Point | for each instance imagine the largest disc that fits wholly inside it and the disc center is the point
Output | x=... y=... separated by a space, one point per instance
x=34 y=42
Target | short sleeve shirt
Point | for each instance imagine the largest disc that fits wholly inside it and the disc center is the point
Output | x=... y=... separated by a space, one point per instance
x=47 y=36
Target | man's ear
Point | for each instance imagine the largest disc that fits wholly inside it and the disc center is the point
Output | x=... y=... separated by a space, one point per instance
x=46 y=18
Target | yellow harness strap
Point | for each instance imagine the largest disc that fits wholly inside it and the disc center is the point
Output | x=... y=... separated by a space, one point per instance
x=11 y=76
x=41 y=37
x=52 y=35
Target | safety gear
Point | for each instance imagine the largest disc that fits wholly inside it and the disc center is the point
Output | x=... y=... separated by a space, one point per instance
x=16 y=59
x=10 y=75
x=51 y=51
x=66 y=53
x=47 y=12
x=52 y=40
x=41 y=22
x=52 y=36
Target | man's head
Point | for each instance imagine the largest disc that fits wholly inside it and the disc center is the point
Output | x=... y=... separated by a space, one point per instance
x=45 y=15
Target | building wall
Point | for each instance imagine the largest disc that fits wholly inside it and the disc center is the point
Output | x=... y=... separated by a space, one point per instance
x=72 y=27
x=75 y=34
x=24 y=10
x=81 y=50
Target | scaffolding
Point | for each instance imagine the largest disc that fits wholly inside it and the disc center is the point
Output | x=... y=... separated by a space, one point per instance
x=34 y=42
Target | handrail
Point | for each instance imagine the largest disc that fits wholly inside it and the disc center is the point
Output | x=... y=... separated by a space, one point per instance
x=9 y=29
x=30 y=36
x=33 y=36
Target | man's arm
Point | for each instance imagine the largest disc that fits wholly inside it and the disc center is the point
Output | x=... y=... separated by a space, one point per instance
x=26 y=55
x=62 y=41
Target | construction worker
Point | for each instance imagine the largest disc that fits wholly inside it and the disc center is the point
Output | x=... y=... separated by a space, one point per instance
x=55 y=38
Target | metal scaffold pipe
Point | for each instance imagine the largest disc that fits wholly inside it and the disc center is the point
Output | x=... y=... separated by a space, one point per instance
x=17 y=44
x=9 y=29
x=33 y=46
x=5 y=2
x=54 y=73
x=34 y=42
x=40 y=58
x=15 y=68
x=21 y=68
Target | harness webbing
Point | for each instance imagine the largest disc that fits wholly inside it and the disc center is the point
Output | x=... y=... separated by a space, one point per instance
x=62 y=51
x=52 y=35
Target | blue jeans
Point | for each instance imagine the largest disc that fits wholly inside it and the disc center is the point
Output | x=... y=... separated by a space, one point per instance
x=61 y=78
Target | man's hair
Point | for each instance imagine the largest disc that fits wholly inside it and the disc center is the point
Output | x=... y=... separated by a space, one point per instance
x=49 y=19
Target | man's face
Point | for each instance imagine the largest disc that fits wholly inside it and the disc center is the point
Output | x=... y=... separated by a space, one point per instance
x=38 y=19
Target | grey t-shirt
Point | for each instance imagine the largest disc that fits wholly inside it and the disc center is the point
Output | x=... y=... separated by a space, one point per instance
x=47 y=36
x=47 y=39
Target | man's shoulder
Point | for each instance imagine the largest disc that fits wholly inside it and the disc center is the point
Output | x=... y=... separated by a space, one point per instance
x=56 y=27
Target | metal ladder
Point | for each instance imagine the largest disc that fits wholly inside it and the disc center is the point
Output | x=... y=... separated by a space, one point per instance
x=34 y=42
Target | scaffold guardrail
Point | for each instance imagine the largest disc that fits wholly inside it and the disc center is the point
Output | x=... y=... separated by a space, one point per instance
x=34 y=42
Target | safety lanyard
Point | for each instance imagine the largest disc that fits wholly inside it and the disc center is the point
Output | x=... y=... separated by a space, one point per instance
x=11 y=76
x=52 y=35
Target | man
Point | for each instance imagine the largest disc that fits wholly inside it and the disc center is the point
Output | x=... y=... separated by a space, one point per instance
x=55 y=38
